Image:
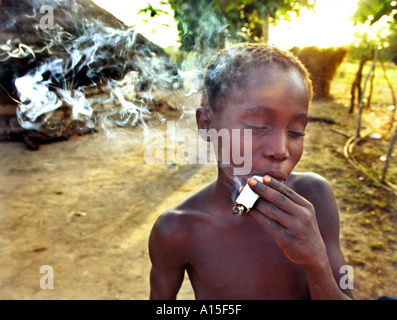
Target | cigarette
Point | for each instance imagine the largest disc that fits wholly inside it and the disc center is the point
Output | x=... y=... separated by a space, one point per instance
x=246 y=200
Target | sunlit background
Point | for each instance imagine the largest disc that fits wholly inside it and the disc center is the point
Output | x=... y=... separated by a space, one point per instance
x=161 y=29
x=329 y=24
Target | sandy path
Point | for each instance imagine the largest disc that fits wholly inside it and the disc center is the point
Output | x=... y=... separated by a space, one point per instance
x=85 y=207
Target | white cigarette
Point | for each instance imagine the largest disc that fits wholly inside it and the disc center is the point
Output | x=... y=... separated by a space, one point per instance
x=246 y=199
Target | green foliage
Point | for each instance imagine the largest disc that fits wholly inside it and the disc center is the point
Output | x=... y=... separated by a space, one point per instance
x=374 y=10
x=199 y=24
x=390 y=51
x=153 y=12
x=208 y=23
x=364 y=45
x=371 y=11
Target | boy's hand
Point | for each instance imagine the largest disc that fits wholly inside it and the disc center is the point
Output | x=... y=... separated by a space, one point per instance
x=290 y=219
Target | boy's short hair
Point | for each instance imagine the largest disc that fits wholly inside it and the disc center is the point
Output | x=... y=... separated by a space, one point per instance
x=231 y=67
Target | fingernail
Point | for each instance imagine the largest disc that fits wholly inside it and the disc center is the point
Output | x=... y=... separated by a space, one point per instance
x=252 y=181
x=267 y=179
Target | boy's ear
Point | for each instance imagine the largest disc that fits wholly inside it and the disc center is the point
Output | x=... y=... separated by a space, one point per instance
x=204 y=122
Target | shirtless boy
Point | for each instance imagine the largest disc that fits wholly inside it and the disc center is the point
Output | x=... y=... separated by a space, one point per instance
x=287 y=245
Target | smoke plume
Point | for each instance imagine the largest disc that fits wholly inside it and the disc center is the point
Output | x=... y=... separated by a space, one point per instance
x=70 y=64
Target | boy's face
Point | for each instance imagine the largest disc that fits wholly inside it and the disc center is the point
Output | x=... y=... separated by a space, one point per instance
x=273 y=105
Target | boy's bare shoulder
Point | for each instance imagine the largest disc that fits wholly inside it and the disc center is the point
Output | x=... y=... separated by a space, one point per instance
x=309 y=184
x=178 y=222
x=318 y=191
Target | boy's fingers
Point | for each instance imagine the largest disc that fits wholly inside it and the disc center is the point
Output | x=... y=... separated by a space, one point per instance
x=277 y=193
x=273 y=212
x=285 y=190
x=272 y=195
x=270 y=225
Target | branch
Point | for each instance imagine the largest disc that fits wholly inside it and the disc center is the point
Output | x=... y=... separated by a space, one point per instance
x=360 y=106
x=348 y=151
x=388 y=155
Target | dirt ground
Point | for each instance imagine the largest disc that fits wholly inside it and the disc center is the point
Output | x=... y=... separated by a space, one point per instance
x=86 y=206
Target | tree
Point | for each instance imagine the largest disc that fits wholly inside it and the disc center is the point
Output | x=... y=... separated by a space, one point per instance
x=208 y=23
x=199 y=24
x=373 y=11
x=153 y=12
x=361 y=102
x=251 y=18
x=369 y=12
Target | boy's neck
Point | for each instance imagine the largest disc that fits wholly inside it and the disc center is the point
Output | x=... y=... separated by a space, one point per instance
x=224 y=193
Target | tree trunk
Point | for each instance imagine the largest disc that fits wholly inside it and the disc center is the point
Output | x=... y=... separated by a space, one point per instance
x=266 y=27
x=356 y=86
x=393 y=140
x=360 y=105
x=393 y=96
x=371 y=89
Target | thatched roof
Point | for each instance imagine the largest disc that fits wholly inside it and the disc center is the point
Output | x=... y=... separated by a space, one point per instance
x=72 y=56
x=322 y=64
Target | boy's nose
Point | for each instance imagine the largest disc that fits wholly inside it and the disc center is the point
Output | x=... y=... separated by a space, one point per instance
x=276 y=147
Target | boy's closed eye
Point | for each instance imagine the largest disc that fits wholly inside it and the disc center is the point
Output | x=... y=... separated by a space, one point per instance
x=255 y=126
x=258 y=128
x=296 y=134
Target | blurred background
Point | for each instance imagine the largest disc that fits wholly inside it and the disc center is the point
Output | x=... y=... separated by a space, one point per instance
x=88 y=87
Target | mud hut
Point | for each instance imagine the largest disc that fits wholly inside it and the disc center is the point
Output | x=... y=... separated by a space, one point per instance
x=65 y=64
x=322 y=65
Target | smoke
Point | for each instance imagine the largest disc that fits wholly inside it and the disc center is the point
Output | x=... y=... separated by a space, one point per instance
x=74 y=60
x=73 y=66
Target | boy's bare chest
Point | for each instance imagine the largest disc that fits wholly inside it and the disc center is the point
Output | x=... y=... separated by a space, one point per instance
x=242 y=263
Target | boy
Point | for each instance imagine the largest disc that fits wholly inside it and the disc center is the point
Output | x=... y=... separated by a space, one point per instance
x=287 y=245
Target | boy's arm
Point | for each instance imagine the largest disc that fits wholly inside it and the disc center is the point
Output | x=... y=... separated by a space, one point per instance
x=327 y=214
x=292 y=220
x=166 y=252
